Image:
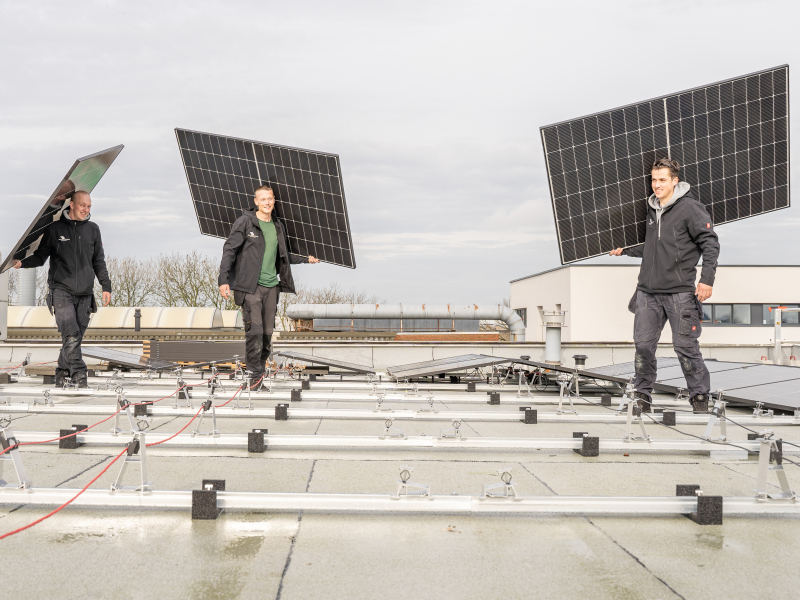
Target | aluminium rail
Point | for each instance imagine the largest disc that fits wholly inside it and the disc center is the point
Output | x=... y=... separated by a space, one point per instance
x=377 y=442
x=610 y=416
x=391 y=504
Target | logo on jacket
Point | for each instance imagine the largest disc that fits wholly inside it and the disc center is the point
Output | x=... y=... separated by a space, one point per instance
x=251 y=234
x=650 y=222
x=708 y=225
x=61 y=238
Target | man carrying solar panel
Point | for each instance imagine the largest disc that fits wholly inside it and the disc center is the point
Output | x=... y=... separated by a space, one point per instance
x=256 y=265
x=75 y=250
x=679 y=231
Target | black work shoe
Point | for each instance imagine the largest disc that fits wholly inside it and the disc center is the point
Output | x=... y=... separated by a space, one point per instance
x=699 y=403
x=256 y=384
x=80 y=382
x=643 y=402
x=61 y=377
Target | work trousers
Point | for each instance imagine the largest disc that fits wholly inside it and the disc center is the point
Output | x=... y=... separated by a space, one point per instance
x=258 y=314
x=684 y=312
x=72 y=317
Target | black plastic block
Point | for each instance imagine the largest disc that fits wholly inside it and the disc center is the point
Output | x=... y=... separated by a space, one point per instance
x=669 y=418
x=752 y=436
x=306 y=385
x=709 y=511
x=69 y=443
x=218 y=485
x=686 y=489
x=281 y=412
x=140 y=410
x=312 y=377
x=454 y=378
x=5 y=378
x=605 y=400
x=590 y=447
x=49 y=379
x=579 y=434
x=297 y=395
x=204 y=505
x=471 y=386
x=531 y=416
x=494 y=398
x=255 y=441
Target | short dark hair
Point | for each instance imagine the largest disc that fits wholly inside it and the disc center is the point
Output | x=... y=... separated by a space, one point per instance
x=667 y=163
x=266 y=188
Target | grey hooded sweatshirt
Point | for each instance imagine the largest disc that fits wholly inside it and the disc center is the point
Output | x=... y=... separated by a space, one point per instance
x=677 y=235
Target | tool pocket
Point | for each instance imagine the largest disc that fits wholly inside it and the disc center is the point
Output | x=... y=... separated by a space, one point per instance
x=690 y=322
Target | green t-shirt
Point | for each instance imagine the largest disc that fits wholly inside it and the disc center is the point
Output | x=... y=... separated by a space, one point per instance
x=269 y=275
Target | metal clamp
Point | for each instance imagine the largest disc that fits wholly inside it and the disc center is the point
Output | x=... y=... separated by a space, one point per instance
x=717 y=414
x=388 y=432
x=455 y=432
x=404 y=488
x=629 y=437
x=379 y=406
x=137 y=453
x=430 y=408
x=770 y=458
x=10 y=445
x=501 y=490
x=759 y=411
x=565 y=383
x=208 y=404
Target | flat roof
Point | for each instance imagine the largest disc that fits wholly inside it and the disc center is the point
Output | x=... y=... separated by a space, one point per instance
x=636 y=266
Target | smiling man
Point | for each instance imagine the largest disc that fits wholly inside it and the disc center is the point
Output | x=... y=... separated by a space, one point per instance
x=679 y=231
x=256 y=266
x=75 y=250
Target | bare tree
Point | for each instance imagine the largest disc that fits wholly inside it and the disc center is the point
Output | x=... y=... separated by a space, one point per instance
x=41 y=285
x=211 y=286
x=133 y=282
x=12 y=286
x=181 y=280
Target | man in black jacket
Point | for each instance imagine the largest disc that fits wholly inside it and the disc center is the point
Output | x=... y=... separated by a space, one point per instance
x=75 y=249
x=679 y=231
x=256 y=265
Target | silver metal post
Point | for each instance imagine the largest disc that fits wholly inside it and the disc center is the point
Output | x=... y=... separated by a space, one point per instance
x=778 y=358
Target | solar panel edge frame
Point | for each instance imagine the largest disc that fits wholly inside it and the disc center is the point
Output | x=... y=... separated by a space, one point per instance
x=5 y=265
x=249 y=141
x=664 y=97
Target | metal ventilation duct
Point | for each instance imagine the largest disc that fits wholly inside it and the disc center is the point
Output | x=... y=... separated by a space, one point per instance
x=412 y=311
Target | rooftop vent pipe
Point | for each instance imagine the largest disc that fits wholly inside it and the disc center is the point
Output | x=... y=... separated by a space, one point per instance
x=471 y=312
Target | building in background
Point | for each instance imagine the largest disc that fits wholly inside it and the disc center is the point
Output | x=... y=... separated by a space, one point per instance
x=595 y=301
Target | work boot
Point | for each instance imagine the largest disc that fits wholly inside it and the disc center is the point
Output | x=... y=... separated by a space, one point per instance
x=699 y=403
x=643 y=401
x=256 y=383
x=80 y=381
x=61 y=377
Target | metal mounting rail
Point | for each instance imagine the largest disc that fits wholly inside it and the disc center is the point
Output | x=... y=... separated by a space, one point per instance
x=509 y=397
x=410 y=442
x=406 y=415
x=390 y=504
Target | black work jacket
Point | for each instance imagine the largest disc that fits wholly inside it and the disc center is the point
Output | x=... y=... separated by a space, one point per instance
x=76 y=255
x=243 y=254
x=669 y=258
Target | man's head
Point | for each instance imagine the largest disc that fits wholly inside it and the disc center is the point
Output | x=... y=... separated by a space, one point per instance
x=264 y=199
x=665 y=173
x=80 y=205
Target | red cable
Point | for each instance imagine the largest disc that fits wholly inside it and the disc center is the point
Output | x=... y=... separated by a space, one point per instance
x=180 y=431
x=68 y=502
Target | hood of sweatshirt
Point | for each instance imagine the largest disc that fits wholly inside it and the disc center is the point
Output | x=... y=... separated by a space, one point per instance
x=67 y=216
x=681 y=189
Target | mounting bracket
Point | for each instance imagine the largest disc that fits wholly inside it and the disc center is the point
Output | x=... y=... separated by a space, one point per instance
x=759 y=411
x=137 y=453
x=388 y=432
x=48 y=401
x=206 y=406
x=430 y=408
x=501 y=490
x=455 y=432
x=7 y=440
x=411 y=489
x=717 y=414
x=564 y=382
x=770 y=458
x=629 y=437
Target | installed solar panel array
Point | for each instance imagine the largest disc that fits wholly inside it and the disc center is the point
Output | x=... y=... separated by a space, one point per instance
x=223 y=173
x=731 y=139
x=83 y=176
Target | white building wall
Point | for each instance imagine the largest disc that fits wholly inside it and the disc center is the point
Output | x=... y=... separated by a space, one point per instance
x=595 y=298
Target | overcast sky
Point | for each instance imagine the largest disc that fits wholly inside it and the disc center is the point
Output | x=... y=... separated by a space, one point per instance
x=433 y=107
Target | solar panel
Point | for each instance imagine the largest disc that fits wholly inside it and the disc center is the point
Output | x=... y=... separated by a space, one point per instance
x=223 y=173
x=82 y=177
x=731 y=139
x=446 y=365
x=127 y=359
x=318 y=360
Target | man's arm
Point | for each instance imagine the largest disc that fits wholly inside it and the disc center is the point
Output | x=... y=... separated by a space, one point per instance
x=701 y=230
x=42 y=253
x=229 y=251
x=99 y=264
x=634 y=251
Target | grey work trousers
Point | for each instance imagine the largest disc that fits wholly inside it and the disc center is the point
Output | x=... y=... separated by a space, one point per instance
x=258 y=314
x=684 y=312
x=72 y=318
